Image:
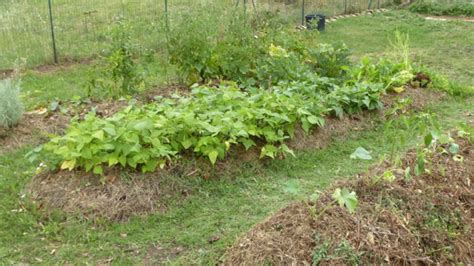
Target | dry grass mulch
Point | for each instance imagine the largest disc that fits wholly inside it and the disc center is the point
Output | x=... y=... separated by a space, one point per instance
x=425 y=220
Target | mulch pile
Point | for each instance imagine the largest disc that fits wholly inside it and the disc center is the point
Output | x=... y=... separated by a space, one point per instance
x=425 y=220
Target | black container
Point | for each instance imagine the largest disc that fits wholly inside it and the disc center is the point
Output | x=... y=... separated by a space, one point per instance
x=315 y=21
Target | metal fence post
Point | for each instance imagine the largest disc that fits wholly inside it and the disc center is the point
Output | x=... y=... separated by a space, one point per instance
x=302 y=14
x=55 y=52
x=166 y=16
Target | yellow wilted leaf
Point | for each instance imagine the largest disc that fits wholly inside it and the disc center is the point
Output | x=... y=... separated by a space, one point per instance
x=399 y=89
x=68 y=165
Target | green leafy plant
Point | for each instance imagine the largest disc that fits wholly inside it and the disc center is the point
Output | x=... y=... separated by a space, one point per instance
x=122 y=74
x=361 y=153
x=260 y=54
x=208 y=122
x=440 y=9
x=11 y=107
x=346 y=199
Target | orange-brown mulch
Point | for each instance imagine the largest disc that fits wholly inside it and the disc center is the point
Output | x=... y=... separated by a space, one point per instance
x=425 y=220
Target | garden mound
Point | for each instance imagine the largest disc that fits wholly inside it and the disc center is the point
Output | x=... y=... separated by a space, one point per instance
x=120 y=198
x=425 y=220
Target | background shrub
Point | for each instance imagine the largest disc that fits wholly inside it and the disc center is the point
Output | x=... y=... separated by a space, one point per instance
x=11 y=107
x=457 y=9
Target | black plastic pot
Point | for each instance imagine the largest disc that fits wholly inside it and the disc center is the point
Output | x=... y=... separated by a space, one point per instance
x=315 y=21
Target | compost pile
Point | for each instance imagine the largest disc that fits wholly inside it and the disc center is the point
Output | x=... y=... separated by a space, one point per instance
x=423 y=220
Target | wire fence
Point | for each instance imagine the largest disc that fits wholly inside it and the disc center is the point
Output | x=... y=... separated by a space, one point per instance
x=47 y=31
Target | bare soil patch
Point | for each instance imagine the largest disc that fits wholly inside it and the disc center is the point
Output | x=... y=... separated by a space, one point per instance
x=425 y=220
x=66 y=63
x=57 y=190
x=450 y=18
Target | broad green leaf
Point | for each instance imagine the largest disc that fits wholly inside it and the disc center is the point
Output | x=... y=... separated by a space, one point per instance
x=99 y=135
x=454 y=148
x=292 y=186
x=142 y=125
x=110 y=130
x=213 y=156
x=361 y=153
x=346 y=198
x=316 y=120
x=187 y=143
x=98 y=170
x=248 y=143
x=428 y=139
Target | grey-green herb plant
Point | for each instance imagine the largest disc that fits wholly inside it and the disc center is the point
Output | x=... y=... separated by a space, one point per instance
x=11 y=107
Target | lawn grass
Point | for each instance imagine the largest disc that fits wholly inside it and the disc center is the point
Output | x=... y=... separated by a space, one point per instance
x=226 y=207
x=443 y=46
x=229 y=206
x=40 y=87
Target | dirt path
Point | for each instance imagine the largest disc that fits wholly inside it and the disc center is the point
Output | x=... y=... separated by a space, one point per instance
x=449 y=18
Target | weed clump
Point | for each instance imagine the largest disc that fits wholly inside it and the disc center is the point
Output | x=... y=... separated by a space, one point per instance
x=11 y=108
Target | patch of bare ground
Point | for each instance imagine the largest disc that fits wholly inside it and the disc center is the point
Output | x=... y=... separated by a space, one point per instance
x=423 y=221
x=450 y=18
x=66 y=63
x=58 y=189
x=158 y=255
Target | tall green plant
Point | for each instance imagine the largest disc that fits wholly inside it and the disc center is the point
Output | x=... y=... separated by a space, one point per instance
x=122 y=74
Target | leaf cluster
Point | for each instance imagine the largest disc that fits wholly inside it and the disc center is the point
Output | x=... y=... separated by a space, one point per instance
x=207 y=123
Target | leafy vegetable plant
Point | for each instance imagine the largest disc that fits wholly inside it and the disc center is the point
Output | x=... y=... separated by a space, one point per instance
x=208 y=123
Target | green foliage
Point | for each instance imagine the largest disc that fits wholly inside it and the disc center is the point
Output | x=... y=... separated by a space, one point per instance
x=252 y=53
x=361 y=154
x=346 y=199
x=439 y=9
x=11 y=107
x=320 y=252
x=208 y=122
x=123 y=75
x=390 y=74
x=294 y=87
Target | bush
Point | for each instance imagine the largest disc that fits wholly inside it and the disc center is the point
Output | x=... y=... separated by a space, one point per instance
x=11 y=107
x=122 y=73
x=459 y=9
x=252 y=53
